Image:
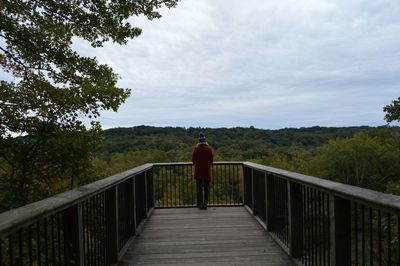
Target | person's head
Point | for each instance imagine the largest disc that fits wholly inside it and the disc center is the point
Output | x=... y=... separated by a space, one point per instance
x=202 y=137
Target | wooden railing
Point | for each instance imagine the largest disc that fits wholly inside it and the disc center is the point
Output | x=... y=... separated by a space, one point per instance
x=316 y=221
x=320 y=222
x=90 y=225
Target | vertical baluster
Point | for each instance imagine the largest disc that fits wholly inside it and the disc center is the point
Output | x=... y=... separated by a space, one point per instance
x=278 y=206
x=398 y=239
x=312 y=236
x=38 y=242
x=52 y=239
x=389 y=239
x=171 y=186
x=187 y=179
x=218 y=170
x=93 y=230
x=165 y=185
x=379 y=238
x=1 y=252
x=230 y=167
x=182 y=177
x=328 y=211
x=371 y=246
x=102 y=234
x=85 y=216
x=167 y=190
x=303 y=215
x=46 y=243
x=309 y=227
x=30 y=247
x=226 y=183
x=160 y=186
x=323 y=229
x=191 y=179
x=177 y=188
x=320 y=237
x=20 y=248
x=98 y=224
x=363 y=234
x=11 y=249
x=356 y=234
x=237 y=189
x=212 y=184
x=286 y=210
x=174 y=174
x=59 y=238
x=88 y=232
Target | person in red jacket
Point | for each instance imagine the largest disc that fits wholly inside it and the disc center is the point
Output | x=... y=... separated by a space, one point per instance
x=202 y=158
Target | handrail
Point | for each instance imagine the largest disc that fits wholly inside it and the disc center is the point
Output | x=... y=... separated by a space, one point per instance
x=190 y=163
x=388 y=201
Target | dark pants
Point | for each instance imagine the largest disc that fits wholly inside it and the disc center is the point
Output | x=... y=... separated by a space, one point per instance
x=202 y=185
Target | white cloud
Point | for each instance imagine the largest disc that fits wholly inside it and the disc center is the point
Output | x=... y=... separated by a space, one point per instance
x=269 y=64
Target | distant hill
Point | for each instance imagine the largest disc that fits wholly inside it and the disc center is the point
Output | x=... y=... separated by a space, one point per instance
x=225 y=140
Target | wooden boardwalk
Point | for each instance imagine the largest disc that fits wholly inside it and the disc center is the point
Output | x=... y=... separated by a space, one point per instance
x=217 y=236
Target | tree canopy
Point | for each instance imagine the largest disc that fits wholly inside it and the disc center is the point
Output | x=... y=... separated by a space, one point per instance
x=52 y=82
x=392 y=111
x=49 y=89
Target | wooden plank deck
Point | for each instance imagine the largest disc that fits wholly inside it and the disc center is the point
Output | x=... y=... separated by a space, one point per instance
x=217 y=236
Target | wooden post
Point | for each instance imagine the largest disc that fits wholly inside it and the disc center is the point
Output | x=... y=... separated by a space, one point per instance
x=73 y=235
x=295 y=203
x=112 y=222
x=340 y=234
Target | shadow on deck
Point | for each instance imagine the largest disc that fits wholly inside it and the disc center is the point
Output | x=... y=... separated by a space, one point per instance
x=217 y=236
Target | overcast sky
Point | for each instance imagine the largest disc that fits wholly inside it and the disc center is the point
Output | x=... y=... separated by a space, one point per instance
x=269 y=64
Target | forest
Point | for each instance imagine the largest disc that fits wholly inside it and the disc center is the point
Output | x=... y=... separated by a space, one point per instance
x=363 y=156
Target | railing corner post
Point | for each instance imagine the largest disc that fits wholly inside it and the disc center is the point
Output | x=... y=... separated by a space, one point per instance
x=73 y=235
x=340 y=230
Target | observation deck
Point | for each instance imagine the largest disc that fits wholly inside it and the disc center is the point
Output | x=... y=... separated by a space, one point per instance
x=258 y=215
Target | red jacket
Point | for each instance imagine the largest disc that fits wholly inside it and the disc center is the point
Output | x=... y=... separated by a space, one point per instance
x=202 y=158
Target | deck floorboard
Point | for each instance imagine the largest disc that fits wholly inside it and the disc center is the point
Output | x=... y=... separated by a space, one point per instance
x=216 y=236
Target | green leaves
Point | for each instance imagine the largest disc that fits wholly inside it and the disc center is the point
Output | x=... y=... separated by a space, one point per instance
x=392 y=111
x=44 y=145
x=54 y=83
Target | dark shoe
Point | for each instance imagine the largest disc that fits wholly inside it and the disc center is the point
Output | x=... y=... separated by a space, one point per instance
x=200 y=206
